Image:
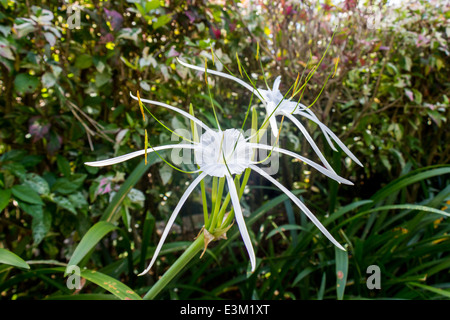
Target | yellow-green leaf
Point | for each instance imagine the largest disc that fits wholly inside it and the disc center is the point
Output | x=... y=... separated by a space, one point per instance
x=110 y=284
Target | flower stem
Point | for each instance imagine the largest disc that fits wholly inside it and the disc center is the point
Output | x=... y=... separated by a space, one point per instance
x=176 y=268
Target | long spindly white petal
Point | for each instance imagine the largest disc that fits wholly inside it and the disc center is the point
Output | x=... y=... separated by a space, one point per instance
x=311 y=116
x=240 y=221
x=184 y=113
x=172 y=220
x=273 y=124
x=343 y=146
x=224 y=75
x=327 y=131
x=135 y=154
x=306 y=112
x=300 y=204
x=276 y=84
x=316 y=166
x=310 y=140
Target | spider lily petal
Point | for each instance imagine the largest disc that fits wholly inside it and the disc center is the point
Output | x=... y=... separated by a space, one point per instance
x=309 y=139
x=240 y=221
x=276 y=84
x=172 y=219
x=328 y=173
x=135 y=154
x=327 y=131
x=300 y=204
x=273 y=125
x=184 y=113
x=222 y=74
x=307 y=113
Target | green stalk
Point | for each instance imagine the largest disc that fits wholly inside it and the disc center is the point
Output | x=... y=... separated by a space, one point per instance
x=213 y=193
x=214 y=213
x=176 y=268
x=202 y=183
x=223 y=209
x=205 y=204
x=241 y=188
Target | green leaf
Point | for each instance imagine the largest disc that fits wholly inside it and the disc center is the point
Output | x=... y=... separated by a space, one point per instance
x=41 y=222
x=64 y=203
x=208 y=99
x=7 y=257
x=410 y=207
x=439 y=63
x=417 y=96
x=69 y=185
x=102 y=78
x=90 y=240
x=4 y=3
x=301 y=275
x=63 y=165
x=151 y=5
x=110 y=284
x=48 y=80
x=78 y=201
x=285 y=227
x=84 y=296
x=408 y=63
x=16 y=169
x=444 y=293
x=385 y=161
x=341 y=272
x=339 y=213
x=162 y=21
x=37 y=183
x=322 y=287
x=412 y=177
x=5 y=195
x=26 y=194
x=147 y=231
x=25 y=83
x=83 y=61
x=128 y=63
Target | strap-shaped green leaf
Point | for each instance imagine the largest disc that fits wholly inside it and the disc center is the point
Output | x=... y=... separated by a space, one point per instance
x=410 y=178
x=90 y=240
x=341 y=272
x=7 y=257
x=442 y=292
x=110 y=284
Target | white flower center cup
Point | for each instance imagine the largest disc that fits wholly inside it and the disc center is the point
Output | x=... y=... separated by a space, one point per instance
x=222 y=153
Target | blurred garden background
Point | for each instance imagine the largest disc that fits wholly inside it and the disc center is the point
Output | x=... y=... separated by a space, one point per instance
x=67 y=70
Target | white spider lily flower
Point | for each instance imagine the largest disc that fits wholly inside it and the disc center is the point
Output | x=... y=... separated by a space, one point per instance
x=276 y=105
x=223 y=154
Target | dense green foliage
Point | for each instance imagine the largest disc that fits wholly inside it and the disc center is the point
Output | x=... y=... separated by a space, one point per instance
x=65 y=100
